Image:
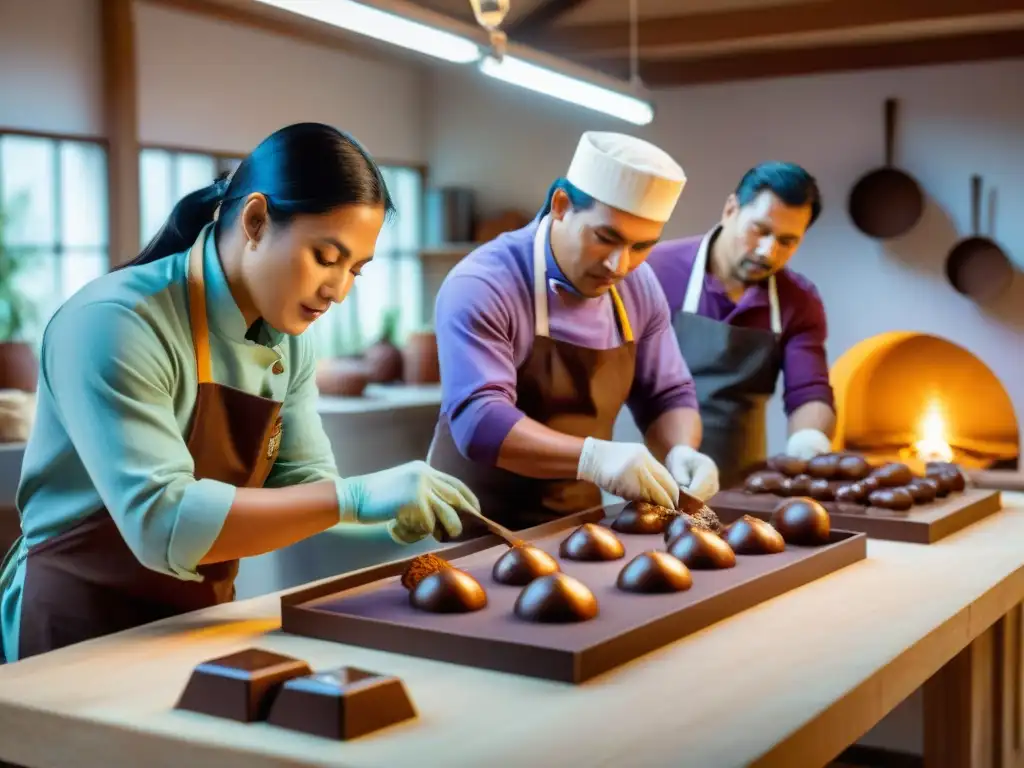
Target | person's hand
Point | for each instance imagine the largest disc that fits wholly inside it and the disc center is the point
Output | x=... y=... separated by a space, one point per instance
x=627 y=470
x=694 y=471
x=807 y=443
x=411 y=498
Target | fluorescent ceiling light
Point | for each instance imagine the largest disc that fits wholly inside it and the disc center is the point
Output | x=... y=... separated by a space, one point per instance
x=542 y=80
x=382 y=25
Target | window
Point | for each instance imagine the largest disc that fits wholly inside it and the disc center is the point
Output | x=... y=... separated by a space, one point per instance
x=391 y=282
x=53 y=193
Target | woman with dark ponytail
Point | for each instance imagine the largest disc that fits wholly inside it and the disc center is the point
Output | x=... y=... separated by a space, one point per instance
x=177 y=428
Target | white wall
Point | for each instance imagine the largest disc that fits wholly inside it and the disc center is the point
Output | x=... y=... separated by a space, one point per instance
x=202 y=83
x=50 y=66
x=212 y=84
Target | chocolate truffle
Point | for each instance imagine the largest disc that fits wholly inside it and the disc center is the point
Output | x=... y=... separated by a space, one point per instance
x=802 y=521
x=855 y=493
x=705 y=520
x=654 y=572
x=641 y=517
x=923 y=490
x=764 y=482
x=820 y=489
x=437 y=587
x=852 y=467
x=753 y=536
x=556 y=599
x=591 y=542
x=795 y=486
x=870 y=484
x=897 y=499
x=522 y=564
x=956 y=479
x=824 y=466
x=790 y=466
x=702 y=550
x=893 y=475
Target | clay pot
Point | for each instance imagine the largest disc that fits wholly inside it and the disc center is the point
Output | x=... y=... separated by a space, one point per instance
x=342 y=376
x=384 y=362
x=420 y=362
x=18 y=367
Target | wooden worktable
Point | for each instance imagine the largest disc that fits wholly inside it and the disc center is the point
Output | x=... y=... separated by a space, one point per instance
x=789 y=683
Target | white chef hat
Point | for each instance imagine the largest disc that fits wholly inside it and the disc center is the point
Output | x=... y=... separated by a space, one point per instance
x=627 y=173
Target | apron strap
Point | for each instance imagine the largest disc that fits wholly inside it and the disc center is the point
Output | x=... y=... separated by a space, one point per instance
x=197 y=309
x=695 y=286
x=541 y=319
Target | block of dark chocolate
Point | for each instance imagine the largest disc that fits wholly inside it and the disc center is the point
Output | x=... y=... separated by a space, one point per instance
x=239 y=686
x=341 y=704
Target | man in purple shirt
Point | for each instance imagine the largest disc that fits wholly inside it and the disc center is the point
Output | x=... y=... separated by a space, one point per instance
x=546 y=332
x=741 y=317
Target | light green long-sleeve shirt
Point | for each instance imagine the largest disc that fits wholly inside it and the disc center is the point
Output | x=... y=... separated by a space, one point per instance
x=117 y=386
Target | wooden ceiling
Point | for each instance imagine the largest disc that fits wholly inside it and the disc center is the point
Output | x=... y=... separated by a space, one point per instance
x=700 y=41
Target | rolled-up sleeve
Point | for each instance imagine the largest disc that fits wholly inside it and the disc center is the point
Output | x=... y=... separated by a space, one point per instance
x=305 y=454
x=805 y=361
x=114 y=387
x=662 y=381
x=478 y=373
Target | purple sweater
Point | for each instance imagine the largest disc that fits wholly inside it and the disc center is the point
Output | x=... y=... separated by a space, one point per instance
x=485 y=329
x=804 y=328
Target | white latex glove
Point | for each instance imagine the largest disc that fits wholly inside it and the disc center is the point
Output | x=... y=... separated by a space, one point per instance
x=808 y=443
x=411 y=498
x=627 y=470
x=694 y=471
x=17 y=414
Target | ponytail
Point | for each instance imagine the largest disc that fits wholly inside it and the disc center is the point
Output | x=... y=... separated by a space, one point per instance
x=187 y=219
x=301 y=169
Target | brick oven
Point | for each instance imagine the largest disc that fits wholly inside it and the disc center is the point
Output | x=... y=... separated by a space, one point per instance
x=916 y=397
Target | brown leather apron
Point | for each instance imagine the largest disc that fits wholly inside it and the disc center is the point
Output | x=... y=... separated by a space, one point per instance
x=735 y=371
x=571 y=389
x=85 y=582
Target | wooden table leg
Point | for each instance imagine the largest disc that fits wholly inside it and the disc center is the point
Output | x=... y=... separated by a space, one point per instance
x=974 y=706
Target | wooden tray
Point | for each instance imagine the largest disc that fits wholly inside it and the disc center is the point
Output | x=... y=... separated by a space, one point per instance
x=921 y=524
x=371 y=609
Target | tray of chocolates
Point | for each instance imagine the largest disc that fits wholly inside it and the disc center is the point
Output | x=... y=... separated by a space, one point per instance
x=885 y=501
x=257 y=686
x=579 y=596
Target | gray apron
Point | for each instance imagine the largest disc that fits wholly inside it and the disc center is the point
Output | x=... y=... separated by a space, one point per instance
x=735 y=371
x=571 y=389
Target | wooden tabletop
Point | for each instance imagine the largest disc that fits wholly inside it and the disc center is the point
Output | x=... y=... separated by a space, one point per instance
x=790 y=682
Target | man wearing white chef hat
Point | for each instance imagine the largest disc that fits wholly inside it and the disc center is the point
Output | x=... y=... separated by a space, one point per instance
x=546 y=332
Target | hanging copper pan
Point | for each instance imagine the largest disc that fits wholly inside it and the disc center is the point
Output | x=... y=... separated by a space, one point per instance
x=977 y=267
x=887 y=202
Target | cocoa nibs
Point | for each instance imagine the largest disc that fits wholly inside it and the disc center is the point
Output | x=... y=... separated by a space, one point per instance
x=706 y=519
x=421 y=567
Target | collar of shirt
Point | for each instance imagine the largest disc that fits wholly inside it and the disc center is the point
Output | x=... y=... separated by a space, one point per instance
x=225 y=317
x=557 y=281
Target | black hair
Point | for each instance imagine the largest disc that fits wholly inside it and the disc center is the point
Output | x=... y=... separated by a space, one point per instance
x=305 y=168
x=579 y=199
x=787 y=181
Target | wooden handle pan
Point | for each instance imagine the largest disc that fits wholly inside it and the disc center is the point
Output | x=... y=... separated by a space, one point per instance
x=887 y=202
x=977 y=267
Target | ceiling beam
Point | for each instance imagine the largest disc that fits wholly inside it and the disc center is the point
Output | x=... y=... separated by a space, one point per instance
x=542 y=15
x=757 y=65
x=759 y=23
